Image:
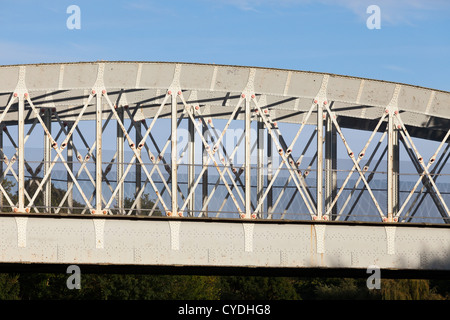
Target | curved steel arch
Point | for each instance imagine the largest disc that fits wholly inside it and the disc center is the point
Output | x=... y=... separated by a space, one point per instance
x=137 y=96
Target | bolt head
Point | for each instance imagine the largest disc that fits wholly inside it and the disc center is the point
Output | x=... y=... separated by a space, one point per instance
x=253 y=96
x=243 y=95
x=93 y=91
x=15 y=94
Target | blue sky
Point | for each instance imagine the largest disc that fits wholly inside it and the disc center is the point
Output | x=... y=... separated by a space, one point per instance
x=412 y=46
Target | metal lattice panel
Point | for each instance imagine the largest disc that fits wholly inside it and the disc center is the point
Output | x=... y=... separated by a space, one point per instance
x=177 y=139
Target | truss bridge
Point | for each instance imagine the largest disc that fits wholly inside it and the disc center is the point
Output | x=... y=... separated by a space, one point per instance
x=194 y=165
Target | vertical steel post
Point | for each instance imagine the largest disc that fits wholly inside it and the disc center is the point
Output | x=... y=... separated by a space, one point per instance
x=319 y=173
x=269 y=173
x=392 y=168
x=248 y=185
x=330 y=166
x=205 y=134
x=260 y=163
x=138 y=175
x=120 y=160
x=174 y=156
x=70 y=165
x=47 y=160
x=21 y=154
x=98 y=155
x=396 y=184
x=191 y=167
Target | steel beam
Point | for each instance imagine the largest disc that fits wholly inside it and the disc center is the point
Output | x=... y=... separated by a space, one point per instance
x=319 y=167
x=174 y=155
x=138 y=169
x=191 y=167
x=247 y=165
x=47 y=159
x=70 y=165
x=260 y=165
x=98 y=155
x=120 y=160
x=330 y=167
x=21 y=154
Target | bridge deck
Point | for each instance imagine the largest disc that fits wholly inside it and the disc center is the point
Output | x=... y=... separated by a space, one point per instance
x=220 y=243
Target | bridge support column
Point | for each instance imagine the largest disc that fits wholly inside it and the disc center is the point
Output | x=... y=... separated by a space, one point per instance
x=248 y=185
x=269 y=174
x=191 y=168
x=330 y=166
x=174 y=156
x=47 y=160
x=138 y=175
x=70 y=165
x=392 y=168
x=319 y=171
x=260 y=164
x=120 y=160
x=98 y=155
x=205 y=134
x=21 y=154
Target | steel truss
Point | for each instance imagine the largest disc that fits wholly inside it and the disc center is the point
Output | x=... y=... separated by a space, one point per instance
x=297 y=170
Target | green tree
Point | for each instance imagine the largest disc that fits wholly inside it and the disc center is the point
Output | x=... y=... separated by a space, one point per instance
x=408 y=289
x=9 y=286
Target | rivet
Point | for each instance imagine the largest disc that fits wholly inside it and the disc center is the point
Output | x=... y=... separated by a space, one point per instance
x=243 y=95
